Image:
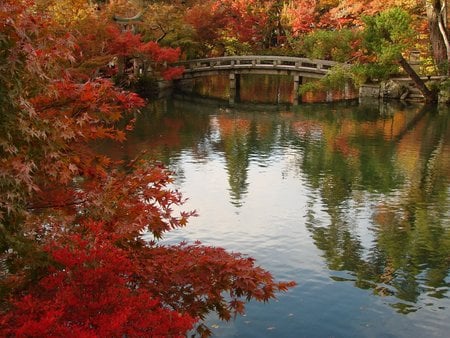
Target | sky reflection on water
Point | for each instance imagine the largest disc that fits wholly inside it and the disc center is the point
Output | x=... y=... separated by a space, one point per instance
x=352 y=202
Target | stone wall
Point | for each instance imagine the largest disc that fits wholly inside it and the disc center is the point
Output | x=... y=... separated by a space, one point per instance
x=399 y=89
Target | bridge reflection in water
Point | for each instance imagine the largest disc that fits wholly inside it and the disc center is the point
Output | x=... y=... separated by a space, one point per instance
x=300 y=69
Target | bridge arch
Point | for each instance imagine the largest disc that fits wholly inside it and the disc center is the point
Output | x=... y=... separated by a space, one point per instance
x=234 y=66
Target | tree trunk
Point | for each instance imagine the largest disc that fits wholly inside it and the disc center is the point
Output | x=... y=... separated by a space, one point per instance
x=121 y=63
x=428 y=94
x=436 y=13
x=443 y=30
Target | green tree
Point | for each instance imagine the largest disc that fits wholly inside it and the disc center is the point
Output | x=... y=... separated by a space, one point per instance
x=386 y=37
x=336 y=45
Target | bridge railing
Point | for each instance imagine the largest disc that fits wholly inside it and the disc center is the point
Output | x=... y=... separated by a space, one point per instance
x=257 y=62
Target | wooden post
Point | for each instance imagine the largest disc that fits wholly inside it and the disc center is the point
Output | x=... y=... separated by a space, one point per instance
x=235 y=86
x=295 y=90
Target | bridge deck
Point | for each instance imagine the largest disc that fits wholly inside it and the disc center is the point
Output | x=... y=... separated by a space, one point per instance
x=257 y=64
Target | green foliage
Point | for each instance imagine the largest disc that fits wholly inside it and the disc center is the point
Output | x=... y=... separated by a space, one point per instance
x=429 y=67
x=336 y=78
x=277 y=51
x=388 y=34
x=445 y=85
x=356 y=74
x=385 y=38
x=232 y=45
x=435 y=86
x=165 y=23
x=373 y=71
x=310 y=87
x=333 y=45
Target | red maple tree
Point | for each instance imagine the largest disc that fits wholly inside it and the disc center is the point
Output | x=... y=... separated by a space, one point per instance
x=72 y=258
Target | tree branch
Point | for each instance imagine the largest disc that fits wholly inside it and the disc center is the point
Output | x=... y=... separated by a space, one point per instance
x=57 y=205
x=428 y=94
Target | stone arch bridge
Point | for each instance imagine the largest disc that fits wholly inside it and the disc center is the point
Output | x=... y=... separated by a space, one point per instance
x=234 y=66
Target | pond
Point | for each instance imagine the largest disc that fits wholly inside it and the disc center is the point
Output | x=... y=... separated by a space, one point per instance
x=351 y=201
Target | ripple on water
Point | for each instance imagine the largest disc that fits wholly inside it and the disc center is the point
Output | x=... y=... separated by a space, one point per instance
x=329 y=199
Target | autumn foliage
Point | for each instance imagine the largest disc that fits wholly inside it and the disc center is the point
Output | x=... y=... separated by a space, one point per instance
x=279 y=26
x=73 y=261
x=91 y=289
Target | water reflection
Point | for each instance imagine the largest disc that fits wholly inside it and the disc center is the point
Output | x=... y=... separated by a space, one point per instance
x=400 y=165
x=370 y=185
x=253 y=87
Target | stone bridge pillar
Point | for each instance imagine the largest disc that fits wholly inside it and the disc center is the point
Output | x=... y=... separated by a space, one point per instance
x=297 y=82
x=235 y=87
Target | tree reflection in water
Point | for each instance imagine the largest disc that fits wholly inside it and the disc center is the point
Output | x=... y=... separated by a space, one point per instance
x=410 y=254
x=384 y=172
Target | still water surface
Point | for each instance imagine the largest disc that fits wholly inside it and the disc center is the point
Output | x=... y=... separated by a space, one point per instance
x=350 y=201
